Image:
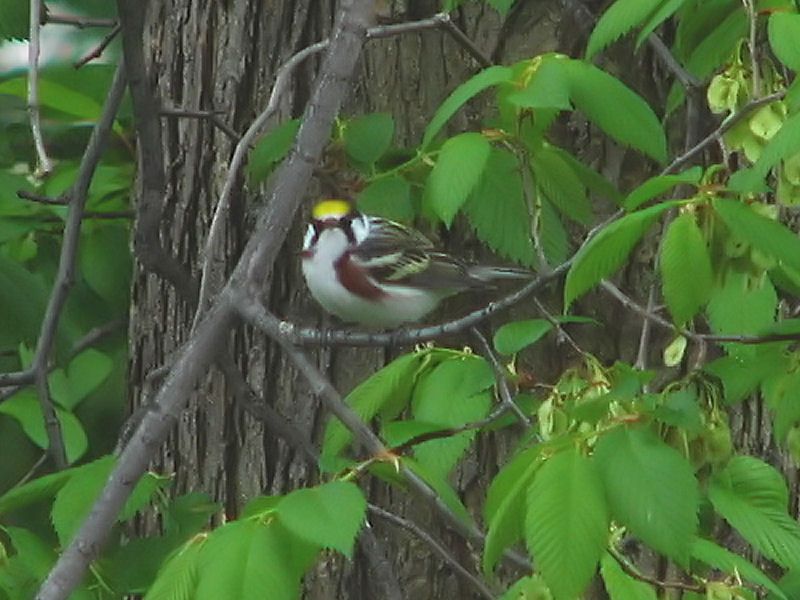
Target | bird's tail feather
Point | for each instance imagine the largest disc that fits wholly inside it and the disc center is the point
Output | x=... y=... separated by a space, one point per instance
x=490 y=273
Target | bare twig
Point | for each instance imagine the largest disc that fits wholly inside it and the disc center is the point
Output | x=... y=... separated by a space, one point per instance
x=462 y=38
x=727 y=124
x=78 y=21
x=78 y=194
x=44 y=165
x=253 y=311
x=55 y=440
x=26 y=195
x=98 y=50
x=212 y=115
x=501 y=377
x=438 y=549
x=686 y=79
x=560 y=331
x=644 y=336
x=752 y=18
x=147 y=237
x=630 y=303
x=631 y=570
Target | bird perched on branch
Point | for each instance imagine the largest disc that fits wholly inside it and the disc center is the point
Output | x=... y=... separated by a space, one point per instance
x=380 y=273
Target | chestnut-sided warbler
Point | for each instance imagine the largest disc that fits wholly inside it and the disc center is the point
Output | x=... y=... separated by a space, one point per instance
x=380 y=273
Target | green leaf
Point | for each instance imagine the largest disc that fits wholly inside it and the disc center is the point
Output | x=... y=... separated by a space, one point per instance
x=77 y=496
x=734 y=565
x=443 y=490
x=741 y=374
x=244 y=559
x=685 y=268
x=501 y=6
x=784 y=144
x=666 y=9
x=106 y=263
x=463 y=93
x=388 y=388
x=398 y=433
x=553 y=236
x=34 y=491
x=784 y=31
x=547 y=87
x=752 y=496
x=620 y=585
x=329 y=515
x=504 y=511
x=23 y=298
x=458 y=169
x=84 y=374
x=15 y=20
x=680 y=409
x=497 y=211
x=388 y=197
x=763 y=233
x=742 y=307
x=616 y=109
x=655 y=186
x=607 y=251
x=513 y=337
x=177 y=579
x=527 y=587
x=37 y=556
x=25 y=408
x=452 y=394
x=663 y=511
x=368 y=137
x=566 y=527
x=270 y=149
x=560 y=184
x=591 y=179
x=779 y=390
x=619 y=19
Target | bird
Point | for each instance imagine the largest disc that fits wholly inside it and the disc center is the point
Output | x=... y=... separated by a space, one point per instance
x=380 y=273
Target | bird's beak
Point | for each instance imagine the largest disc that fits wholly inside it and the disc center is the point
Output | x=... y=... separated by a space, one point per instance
x=306 y=253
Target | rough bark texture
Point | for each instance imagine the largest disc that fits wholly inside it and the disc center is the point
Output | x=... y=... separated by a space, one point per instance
x=222 y=55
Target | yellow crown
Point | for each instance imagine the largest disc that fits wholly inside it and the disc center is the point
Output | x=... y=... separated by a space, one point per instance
x=327 y=209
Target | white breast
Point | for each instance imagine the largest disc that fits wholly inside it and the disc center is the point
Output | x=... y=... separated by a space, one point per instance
x=400 y=304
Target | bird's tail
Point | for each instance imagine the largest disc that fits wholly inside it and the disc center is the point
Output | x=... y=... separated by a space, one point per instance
x=490 y=273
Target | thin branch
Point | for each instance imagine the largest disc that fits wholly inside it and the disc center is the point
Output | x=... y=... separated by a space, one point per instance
x=438 y=549
x=686 y=79
x=630 y=303
x=78 y=21
x=44 y=165
x=560 y=331
x=40 y=199
x=55 y=439
x=727 y=124
x=237 y=161
x=13 y=382
x=501 y=377
x=211 y=115
x=644 y=336
x=448 y=432
x=254 y=311
x=752 y=18
x=147 y=242
x=462 y=38
x=631 y=570
x=69 y=249
x=98 y=50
